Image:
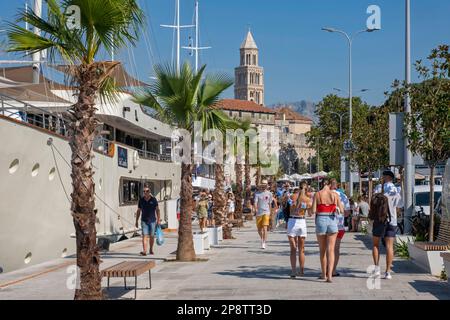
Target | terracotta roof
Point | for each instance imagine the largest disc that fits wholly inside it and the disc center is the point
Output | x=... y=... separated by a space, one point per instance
x=290 y=115
x=243 y=105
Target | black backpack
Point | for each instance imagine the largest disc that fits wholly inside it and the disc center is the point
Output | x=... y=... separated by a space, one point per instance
x=379 y=208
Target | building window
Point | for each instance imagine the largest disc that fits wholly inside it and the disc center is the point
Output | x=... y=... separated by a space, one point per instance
x=254 y=59
x=231 y=113
x=240 y=114
x=253 y=114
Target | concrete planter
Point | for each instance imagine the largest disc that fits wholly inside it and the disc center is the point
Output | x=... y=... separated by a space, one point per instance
x=446 y=257
x=201 y=242
x=215 y=235
x=429 y=261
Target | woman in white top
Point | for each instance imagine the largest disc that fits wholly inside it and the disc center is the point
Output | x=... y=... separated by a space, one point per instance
x=296 y=228
x=230 y=205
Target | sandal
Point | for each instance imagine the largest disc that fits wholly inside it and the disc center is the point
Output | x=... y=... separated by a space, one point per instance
x=292 y=275
x=337 y=274
x=321 y=278
x=329 y=281
x=142 y=253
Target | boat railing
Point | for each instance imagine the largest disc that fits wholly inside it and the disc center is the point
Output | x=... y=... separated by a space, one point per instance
x=55 y=122
x=33 y=115
x=154 y=156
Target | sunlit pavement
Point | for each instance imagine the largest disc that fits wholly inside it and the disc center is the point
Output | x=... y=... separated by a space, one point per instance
x=239 y=270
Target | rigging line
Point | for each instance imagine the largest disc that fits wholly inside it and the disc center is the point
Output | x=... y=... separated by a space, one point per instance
x=59 y=174
x=133 y=67
x=146 y=38
x=152 y=32
x=68 y=198
x=118 y=214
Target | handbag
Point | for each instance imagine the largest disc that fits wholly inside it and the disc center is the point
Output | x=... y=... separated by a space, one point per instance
x=159 y=236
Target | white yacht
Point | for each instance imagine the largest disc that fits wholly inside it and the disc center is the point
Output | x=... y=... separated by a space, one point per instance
x=132 y=148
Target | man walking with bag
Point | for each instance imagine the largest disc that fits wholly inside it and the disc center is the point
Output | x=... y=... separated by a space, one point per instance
x=148 y=205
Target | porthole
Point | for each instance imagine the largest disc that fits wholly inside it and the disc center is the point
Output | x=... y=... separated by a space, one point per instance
x=27 y=259
x=14 y=166
x=51 y=174
x=35 y=170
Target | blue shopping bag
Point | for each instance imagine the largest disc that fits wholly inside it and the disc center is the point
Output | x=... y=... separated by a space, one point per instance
x=159 y=236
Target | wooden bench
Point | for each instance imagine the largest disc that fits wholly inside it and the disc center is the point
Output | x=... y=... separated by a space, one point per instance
x=129 y=269
x=442 y=242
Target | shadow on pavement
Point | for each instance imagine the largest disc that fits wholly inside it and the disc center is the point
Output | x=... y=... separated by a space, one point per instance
x=441 y=290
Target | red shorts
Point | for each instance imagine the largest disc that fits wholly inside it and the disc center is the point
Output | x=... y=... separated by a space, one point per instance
x=340 y=234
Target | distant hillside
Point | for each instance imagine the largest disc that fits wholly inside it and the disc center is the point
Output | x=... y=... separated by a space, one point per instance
x=305 y=108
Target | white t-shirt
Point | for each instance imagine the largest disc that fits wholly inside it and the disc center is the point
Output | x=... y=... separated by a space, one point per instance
x=263 y=201
x=394 y=198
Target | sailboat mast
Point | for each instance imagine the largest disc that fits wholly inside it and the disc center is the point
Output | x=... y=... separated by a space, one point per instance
x=178 y=27
x=196 y=36
x=37 y=8
x=178 y=36
x=196 y=48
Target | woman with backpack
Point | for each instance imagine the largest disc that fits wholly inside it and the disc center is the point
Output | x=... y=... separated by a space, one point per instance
x=384 y=216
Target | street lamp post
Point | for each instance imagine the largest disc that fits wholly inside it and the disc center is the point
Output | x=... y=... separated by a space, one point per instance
x=341 y=117
x=350 y=39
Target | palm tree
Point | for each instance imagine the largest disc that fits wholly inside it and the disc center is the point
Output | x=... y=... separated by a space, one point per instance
x=105 y=25
x=180 y=99
x=239 y=169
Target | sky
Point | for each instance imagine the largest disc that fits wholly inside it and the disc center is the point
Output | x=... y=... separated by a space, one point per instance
x=301 y=62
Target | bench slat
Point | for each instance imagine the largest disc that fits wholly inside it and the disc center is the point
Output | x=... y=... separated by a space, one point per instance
x=128 y=269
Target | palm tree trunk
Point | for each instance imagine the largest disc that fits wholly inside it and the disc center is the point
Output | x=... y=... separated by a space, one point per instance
x=370 y=186
x=431 y=232
x=248 y=181
x=82 y=133
x=185 y=248
x=238 y=207
x=258 y=175
x=220 y=202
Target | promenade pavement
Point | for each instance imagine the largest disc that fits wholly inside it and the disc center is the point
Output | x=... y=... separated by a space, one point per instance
x=238 y=269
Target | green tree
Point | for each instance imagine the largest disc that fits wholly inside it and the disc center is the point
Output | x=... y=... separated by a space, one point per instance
x=105 y=25
x=328 y=130
x=428 y=126
x=371 y=140
x=180 y=99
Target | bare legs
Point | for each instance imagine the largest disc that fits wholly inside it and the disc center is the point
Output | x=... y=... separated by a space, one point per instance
x=263 y=234
x=297 y=243
x=202 y=223
x=144 y=243
x=327 y=246
x=389 y=252
x=322 y=239
x=145 y=240
x=337 y=253
x=376 y=251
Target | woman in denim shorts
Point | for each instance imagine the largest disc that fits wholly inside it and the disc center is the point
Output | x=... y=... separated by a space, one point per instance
x=325 y=203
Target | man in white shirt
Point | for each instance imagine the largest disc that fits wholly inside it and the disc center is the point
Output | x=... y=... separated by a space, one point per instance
x=262 y=206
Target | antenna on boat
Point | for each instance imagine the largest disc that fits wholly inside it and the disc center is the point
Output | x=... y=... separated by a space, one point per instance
x=37 y=8
x=196 y=49
x=178 y=28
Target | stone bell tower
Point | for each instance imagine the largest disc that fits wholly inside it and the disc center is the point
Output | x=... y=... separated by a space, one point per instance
x=249 y=76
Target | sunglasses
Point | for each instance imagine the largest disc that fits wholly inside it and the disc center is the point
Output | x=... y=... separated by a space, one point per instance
x=146 y=191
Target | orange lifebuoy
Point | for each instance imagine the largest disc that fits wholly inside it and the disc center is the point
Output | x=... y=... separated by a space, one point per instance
x=111 y=149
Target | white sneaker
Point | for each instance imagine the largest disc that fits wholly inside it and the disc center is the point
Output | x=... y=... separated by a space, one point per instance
x=263 y=246
x=377 y=272
x=387 y=276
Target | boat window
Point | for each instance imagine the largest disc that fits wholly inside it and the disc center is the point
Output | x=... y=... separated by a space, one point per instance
x=130 y=191
x=423 y=198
